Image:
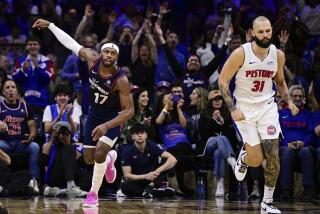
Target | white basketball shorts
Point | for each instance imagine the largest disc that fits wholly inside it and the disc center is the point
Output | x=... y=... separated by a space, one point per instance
x=261 y=122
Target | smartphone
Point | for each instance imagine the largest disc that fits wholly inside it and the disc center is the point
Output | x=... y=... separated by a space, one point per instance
x=176 y=98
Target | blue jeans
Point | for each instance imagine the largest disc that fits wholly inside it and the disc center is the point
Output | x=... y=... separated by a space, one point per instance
x=287 y=159
x=221 y=149
x=32 y=149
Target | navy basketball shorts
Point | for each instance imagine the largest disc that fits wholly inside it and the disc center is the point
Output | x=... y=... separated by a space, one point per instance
x=92 y=122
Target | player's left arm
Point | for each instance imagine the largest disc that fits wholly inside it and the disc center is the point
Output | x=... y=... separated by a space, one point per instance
x=126 y=103
x=282 y=85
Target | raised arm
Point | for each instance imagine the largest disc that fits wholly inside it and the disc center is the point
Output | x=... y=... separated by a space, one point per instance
x=282 y=85
x=66 y=40
x=135 y=49
x=229 y=69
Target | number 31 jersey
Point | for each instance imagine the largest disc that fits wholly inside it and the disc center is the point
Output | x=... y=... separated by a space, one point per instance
x=253 y=81
x=103 y=101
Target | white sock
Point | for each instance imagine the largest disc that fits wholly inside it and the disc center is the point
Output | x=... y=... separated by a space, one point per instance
x=268 y=194
x=231 y=161
x=98 y=173
x=264 y=163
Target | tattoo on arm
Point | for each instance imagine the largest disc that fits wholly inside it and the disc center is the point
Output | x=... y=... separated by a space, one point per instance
x=227 y=97
x=271 y=153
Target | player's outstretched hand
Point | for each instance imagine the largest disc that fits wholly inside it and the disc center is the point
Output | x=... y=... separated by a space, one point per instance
x=99 y=131
x=41 y=24
x=237 y=115
x=293 y=108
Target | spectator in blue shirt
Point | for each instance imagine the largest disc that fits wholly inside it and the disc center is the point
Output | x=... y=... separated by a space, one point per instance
x=296 y=144
x=140 y=164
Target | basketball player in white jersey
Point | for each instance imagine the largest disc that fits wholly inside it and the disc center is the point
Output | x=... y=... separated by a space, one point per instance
x=255 y=65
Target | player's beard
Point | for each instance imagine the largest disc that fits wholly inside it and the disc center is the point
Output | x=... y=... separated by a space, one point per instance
x=112 y=63
x=262 y=43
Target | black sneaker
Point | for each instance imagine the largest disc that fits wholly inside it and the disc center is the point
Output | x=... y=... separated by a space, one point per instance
x=148 y=192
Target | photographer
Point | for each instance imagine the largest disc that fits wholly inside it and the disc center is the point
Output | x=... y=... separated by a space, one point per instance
x=59 y=156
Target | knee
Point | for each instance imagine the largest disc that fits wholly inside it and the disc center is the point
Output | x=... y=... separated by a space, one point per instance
x=99 y=156
x=88 y=158
x=255 y=160
x=286 y=151
x=34 y=147
x=305 y=151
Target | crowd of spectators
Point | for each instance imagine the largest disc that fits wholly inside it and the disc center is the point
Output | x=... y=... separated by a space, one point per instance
x=173 y=52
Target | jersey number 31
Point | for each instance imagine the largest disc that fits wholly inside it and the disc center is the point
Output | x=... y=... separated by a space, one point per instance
x=258 y=86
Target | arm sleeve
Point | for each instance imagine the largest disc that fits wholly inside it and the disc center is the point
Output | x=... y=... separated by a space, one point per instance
x=65 y=39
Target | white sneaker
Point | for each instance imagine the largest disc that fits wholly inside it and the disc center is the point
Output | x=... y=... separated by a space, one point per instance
x=269 y=208
x=34 y=184
x=51 y=191
x=220 y=190
x=240 y=169
x=76 y=192
x=255 y=192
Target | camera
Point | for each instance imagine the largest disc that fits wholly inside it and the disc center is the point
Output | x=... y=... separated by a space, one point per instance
x=63 y=130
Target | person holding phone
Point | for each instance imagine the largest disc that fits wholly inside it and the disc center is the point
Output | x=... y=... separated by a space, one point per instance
x=171 y=122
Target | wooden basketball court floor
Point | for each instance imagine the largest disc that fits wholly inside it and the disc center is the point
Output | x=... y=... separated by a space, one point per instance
x=43 y=205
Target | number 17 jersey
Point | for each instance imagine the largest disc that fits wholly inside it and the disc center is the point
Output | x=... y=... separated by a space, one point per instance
x=254 y=79
x=103 y=101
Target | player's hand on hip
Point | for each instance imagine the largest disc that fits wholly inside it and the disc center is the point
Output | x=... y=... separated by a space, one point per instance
x=99 y=131
x=293 y=108
x=237 y=115
x=41 y=24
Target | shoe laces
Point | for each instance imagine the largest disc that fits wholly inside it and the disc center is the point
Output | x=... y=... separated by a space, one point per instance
x=91 y=195
x=271 y=205
x=242 y=168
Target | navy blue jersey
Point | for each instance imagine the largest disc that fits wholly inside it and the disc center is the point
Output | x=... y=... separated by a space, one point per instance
x=102 y=100
x=16 y=118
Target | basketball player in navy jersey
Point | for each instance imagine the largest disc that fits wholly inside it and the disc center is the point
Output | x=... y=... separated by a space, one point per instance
x=110 y=105
x=255 y=66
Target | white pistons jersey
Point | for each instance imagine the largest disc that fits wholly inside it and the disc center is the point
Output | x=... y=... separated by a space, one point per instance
x=254 y=83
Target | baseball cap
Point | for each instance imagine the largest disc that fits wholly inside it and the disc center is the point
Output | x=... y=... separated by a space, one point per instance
x=213 y=94
x=164 y=84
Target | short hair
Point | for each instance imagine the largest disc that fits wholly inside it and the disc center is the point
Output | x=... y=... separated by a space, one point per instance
x=138 y=128
x=62 y=88
x=33 y=39
x=296 y=87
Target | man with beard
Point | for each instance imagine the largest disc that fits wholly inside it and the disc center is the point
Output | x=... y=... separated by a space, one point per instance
x=110 y=105
x=255 y=65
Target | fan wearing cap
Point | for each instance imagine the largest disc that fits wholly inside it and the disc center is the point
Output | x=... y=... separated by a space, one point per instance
x=110 y=105
x=218 y=137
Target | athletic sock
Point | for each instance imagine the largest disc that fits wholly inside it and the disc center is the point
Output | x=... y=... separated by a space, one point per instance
x=268 y=194
x=98 y=173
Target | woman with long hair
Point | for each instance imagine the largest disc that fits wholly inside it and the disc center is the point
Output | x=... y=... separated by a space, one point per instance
x=142 y=113
x=171 y=122
x=217 y=136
